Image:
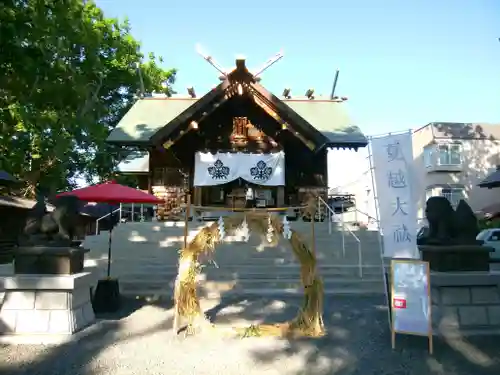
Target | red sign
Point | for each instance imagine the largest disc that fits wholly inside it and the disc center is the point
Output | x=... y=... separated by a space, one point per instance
x=399 y=303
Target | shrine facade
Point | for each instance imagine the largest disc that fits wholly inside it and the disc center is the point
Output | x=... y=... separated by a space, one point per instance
x=237 y=135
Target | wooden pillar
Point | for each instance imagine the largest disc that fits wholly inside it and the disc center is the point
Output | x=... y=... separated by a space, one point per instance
x=150 y=172
x=186 y=219
x=197 y=194
x=325 y=174
x=280 y=199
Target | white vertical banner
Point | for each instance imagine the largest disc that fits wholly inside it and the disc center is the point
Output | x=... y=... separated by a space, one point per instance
x=392 y=158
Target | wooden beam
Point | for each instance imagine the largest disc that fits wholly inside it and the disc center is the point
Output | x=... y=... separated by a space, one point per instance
x=310 y=145
x=189 y=113
x=182 y=133
x=289 y=114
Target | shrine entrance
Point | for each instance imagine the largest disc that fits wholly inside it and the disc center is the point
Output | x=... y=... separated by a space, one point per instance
x=308 y=322
x=221 y=179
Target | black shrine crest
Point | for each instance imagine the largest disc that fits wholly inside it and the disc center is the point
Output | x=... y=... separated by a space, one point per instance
x=218 y=171
x=261 y=172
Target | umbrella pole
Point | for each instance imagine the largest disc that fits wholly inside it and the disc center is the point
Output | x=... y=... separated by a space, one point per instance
x=109 y=241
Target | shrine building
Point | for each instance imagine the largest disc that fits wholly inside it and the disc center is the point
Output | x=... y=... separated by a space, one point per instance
x=237 y=135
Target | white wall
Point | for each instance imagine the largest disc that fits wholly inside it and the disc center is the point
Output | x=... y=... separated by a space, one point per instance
x=349 y=172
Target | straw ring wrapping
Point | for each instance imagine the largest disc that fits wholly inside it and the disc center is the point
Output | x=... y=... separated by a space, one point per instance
x=309 y=320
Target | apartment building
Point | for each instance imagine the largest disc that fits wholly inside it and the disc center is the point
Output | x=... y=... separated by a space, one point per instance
x=450 y=159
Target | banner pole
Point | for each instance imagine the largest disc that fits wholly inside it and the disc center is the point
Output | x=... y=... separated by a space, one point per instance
x=414 y=198
x=380 y=243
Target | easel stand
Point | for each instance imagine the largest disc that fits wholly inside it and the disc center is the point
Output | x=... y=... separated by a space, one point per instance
x=429 y=336
x=393 y=306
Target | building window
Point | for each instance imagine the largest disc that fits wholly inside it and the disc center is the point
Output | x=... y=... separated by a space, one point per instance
x=450 y=154
x=454 y=195
x=428 y=156
x=429 y=193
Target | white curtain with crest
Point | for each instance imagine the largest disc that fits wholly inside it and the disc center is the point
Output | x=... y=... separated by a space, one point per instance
x=220 y=168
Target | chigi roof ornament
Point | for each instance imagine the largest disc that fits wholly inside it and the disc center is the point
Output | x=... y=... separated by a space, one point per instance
x=240 y=63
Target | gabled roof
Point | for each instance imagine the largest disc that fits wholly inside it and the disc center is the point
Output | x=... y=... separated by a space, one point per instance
x=152 y=119
x=149 y=115
x=464 y=130
x=492 y=180
x=146 y=117
x=330 y=118
x=135 y=162
x=17 y=202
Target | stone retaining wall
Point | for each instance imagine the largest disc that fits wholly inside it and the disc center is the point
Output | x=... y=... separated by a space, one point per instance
x=54 y=305
x=465 y=302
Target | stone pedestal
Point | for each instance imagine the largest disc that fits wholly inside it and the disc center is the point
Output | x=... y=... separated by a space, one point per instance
x=465 y=302
x=456 y=257
x=40 y=306
x=49 y=260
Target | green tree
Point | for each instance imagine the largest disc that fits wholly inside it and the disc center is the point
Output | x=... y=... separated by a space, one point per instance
x=68 y=75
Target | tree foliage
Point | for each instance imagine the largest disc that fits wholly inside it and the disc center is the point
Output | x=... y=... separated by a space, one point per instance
x=68 y=75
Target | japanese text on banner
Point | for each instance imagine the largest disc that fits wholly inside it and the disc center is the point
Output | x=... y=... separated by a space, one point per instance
x=392 y=156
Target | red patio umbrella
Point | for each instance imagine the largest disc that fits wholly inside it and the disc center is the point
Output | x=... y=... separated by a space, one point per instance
x=111 y=192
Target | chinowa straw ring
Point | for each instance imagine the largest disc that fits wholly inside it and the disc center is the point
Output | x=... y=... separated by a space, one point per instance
x=309 y=320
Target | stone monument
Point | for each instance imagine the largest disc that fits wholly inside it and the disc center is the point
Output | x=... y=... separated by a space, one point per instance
x=450 y=243
x=49 y=295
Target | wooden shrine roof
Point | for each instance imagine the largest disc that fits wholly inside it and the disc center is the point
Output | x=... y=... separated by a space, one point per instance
x=325 y=121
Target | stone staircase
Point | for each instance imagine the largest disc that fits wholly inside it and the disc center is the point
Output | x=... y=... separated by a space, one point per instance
x=145 y=256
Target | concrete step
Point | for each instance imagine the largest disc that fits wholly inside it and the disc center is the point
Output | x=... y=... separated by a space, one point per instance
x=127 y=228
x=141 y=263
x=252 y=269
x=180 y=232
x=300 y=227
x=193 y=232
x=255 y=280
x=145 y=259
x=257 y=246
x=242 y=274
x=297 y=223
x=152 y=271
x=171 y=240
x=248 y=282
x=136 y=252
x=234 y=256
x=164 y=293
x=368 y=286
x=234 y=248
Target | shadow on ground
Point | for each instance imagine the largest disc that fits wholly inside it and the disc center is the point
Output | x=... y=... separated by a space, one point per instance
x=358 y=341
x=76 y=357
x=139 y=339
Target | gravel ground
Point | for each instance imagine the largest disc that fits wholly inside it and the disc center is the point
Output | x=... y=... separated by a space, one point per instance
x=140 y=341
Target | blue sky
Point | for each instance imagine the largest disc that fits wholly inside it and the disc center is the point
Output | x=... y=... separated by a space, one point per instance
x=402 y=63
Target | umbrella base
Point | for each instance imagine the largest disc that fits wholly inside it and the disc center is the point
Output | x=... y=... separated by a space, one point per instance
x=107 y=297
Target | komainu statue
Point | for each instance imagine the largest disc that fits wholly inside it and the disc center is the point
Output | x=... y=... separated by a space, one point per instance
x=466 y=225
x=56 y=228
x=448 y=226
x=450 y=243
x=441 y=218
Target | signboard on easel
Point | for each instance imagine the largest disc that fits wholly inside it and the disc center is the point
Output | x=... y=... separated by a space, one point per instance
x=410 y=299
